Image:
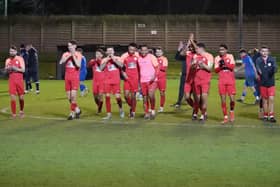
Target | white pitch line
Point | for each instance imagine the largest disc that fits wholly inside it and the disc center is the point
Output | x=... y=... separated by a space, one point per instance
x=118 y=122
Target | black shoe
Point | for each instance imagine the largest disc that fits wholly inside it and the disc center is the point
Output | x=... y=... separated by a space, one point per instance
x=272 y=120
x=265 y=119
x=78 y=114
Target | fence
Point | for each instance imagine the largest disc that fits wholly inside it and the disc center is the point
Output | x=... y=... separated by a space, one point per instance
x=47 y=33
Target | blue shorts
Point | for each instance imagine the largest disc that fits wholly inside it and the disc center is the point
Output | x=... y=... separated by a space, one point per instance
x=250 y=81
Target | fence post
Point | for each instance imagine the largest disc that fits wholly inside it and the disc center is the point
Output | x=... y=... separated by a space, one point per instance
x=166 y=35
x=259 y=34
x=135 y=32
x=41 y=37
x=72 y=30
x=104 y=33
x=197 y=29
x=227 y=31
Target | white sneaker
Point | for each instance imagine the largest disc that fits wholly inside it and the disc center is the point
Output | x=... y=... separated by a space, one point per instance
x=37 y=91
x=71 y=116
x=160 y=110
x=21 y=114
x=202 y=119
x=26 y=91
x=147 y=116
x=153 y=114
x=108 y=117
x=122 y=115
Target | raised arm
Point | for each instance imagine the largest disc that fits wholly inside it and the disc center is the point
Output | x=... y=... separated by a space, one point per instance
x=64 y=58
x=104 y=63
x=77 y=59
x=117 y=61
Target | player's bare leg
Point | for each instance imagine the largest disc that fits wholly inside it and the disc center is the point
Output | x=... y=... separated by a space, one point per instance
x=13 y=106
x=98 y=99
x=189 y=99
x=271 y=109
x=265 y=109
x=127 y=96
x=119 y=101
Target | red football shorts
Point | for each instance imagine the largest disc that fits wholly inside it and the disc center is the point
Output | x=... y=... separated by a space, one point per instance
x=227 y=89
x=189 y=87
x=267 y=91
x=16 y=87
x=147 y=87
x=161 y=84
x=72 y=84
x=97 y=88
x=201 y=88
x=112 y=88
x=131 y=85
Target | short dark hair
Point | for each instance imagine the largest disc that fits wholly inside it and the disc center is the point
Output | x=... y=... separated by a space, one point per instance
x=100 y=51
x=224 y=46
x=22 y=46
x=132 y=45
x=264 y=47
x=242 y=50
x=158 y=48
x=73 y=42
x=13 y=47
x=201 y=45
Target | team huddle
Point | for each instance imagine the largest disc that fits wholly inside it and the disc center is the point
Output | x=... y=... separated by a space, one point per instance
x=138 y=68
x=144 y=70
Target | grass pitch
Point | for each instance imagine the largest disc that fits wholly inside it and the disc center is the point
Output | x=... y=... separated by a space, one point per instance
x=46 y=150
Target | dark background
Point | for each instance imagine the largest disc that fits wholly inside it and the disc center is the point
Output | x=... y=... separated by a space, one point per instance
x=97 y=7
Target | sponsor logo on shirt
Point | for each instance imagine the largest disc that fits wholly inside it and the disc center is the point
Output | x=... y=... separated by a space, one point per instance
x=112 y=67
x=131 y=65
